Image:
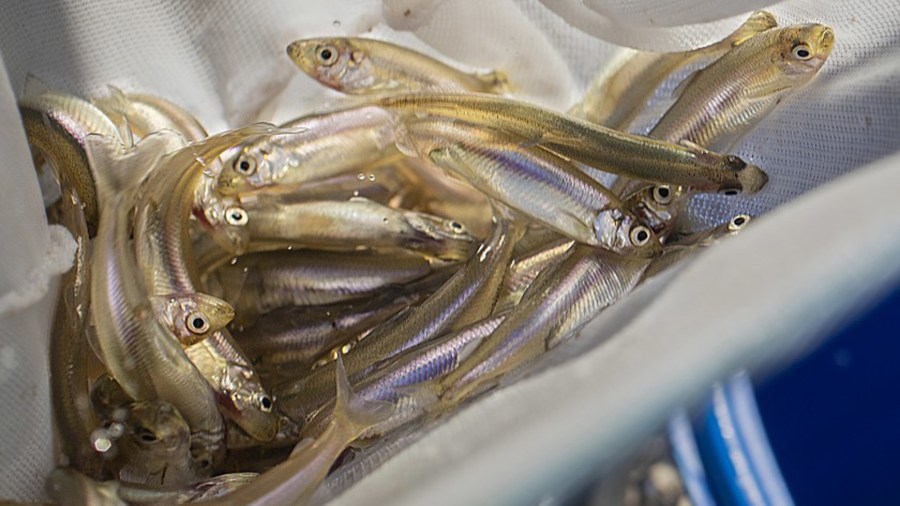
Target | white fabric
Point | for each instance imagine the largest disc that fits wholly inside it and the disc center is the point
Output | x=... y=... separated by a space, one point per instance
x=224 y=61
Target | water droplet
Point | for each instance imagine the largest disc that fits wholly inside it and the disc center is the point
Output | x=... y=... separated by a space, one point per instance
x=336 y=24
x=371 y=177
x=234 y=261
x=356 y=193
x=290 y=248
x=361 y=176
x=116 y=430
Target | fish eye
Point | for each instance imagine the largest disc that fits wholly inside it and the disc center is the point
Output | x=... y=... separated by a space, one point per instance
x=801 y=52
x=327 y=55
x=640 y=235
x=730 y=192
x=197 y=323
x=265 y=404
x=662 y=194
x=236 y=216
x=245 y=165
x=457 y=226
x=738 y=222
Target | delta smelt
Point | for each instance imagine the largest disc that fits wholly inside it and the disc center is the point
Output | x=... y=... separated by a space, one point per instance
x=524 y=269
x=468 y=296
x=609 y=150
x=162 y=246
x=538 y=184
x=259 y=283
x=145 y=114
x=622 y=90
x=155 y=447
x=358 y=66
x=310 y=148
x=293 y=481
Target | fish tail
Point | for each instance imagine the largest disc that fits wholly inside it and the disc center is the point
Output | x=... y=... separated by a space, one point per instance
x=352 y=413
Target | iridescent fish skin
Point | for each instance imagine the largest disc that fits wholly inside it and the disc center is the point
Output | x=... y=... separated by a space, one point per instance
x=609 y=150
x=468 y=296
x=353 y=223
x=393 y=380
x=162 y=246
x=558 y=303
x=537 y=183
x=140 y=353
x=358 y=66
x=310 y=148
x=293 y=481
x=262 y=282
x=525 y=269
x=726 y=99
x=56 y=126
x=619 y=94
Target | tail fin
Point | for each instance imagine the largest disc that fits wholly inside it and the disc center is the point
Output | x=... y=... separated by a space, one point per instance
x=354 y=415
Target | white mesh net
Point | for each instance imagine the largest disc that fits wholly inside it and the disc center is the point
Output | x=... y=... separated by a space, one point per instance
x=224 y=61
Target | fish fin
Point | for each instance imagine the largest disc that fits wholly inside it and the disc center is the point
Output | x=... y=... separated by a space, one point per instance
x=758 y=22
x=355 y=414
x=496 y=81
x=118 y=169
x=115 y=106
x=34 y=86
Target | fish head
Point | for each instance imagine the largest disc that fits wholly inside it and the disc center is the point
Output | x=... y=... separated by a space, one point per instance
x=247 y=404
x=657 y=206
x=157 y=432
x=335 y=62
x=254 y=165
x=801 y=50
x=623 y=233
x=192 y=317
x=225 y=219
x=451 y=238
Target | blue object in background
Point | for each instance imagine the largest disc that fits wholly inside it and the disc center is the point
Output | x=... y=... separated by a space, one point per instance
x=832 y=421
x=833 y=418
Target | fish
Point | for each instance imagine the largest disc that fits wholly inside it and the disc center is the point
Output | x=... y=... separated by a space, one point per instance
x=56 y=126
x=524 y=269
x=162 y=247
x=609 y=150
x=67 y=486
x=557 y=303
x=155 y=448
x=139 y=353
x=311 y=148
x=69 y=350
x=143 y=114
x=358 y=66
x=534 y=182
x=622 y=90
x=354 y=223
x=685 y=246
x=259 y=283
x=192 y=318
x=394 y=380
x=723 y=101
x=293 y=481
x=468 y=296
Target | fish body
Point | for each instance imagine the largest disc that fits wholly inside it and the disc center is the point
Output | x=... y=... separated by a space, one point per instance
x=619 y=94
x=609 y=150
x=145 y=114
x=155 y=449
x=534 y=182
x=262 y=282
x=468 y=296
x=358 y=66
x=310 y=148
x=293 y=481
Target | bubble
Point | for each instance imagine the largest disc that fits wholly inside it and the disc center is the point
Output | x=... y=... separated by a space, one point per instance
x=336 y=23
x=361 y=176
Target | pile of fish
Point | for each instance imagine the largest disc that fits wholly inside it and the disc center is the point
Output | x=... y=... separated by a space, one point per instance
x=245 y=306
